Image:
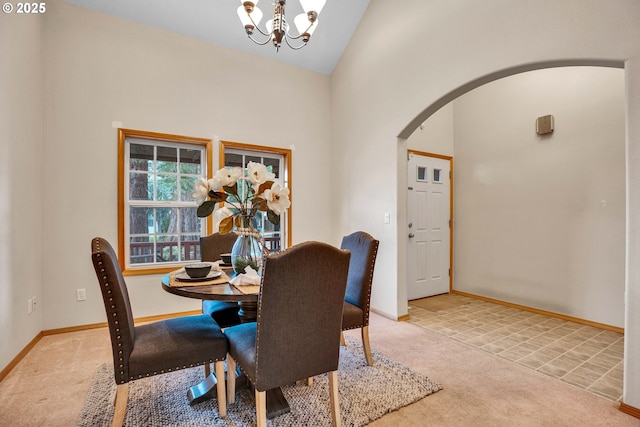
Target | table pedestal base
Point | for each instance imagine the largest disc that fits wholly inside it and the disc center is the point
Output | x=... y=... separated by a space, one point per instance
x=276 y=402
x=248 y=311
x=204 y=390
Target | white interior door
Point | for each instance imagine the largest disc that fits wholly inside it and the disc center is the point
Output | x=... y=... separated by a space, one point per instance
x=428 y=236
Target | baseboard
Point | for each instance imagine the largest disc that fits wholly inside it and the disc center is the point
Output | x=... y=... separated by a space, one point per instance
x=20 y=356
x=389 y=316
x=630 y=410
x=41 y=334
x=545 y=312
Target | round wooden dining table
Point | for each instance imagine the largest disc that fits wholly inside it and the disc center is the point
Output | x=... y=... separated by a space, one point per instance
x=247 y=301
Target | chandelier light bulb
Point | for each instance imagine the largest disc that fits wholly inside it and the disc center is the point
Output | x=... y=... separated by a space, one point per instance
x=246 y=19
x=304 y=26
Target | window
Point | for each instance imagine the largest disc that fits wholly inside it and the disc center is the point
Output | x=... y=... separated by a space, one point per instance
x=436 y=176
x=422 y=174
x=157 y=223
x=278 y=161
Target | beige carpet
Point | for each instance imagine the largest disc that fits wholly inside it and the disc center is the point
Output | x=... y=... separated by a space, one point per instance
x=49 y=386
x=440 y=302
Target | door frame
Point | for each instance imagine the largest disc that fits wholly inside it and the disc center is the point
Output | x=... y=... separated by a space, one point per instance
x=451 y=212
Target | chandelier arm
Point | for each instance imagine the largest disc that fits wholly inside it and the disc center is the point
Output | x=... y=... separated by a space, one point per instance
x=255 y=26
x=259 y=42
x=301 y=35
x=289 y=36
x=286 y=39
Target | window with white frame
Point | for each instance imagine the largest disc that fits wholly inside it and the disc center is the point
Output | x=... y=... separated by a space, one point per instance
x=277 y=161
x=158 y=222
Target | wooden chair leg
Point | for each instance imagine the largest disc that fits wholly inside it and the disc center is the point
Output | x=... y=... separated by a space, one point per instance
x=261 y=408
x=222 y=393
x=120 y=404
x=335 y=401
x=309 y=381
x=231 y=380
x=366 y=345
x=207 y=370
x=342 y=342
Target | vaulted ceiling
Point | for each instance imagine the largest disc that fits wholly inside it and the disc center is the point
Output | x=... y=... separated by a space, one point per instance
x=216 y=21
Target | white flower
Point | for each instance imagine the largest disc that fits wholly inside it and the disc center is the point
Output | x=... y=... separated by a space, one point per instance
x=220 y=214
x=225 y=177
x=277 y=198
x=201 y=190
x=258 y=173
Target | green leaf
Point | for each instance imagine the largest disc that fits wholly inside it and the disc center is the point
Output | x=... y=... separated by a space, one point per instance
x=206 y=208
x=273 y=217
x=226 y=225
x=233 y=189
x=218 y=196
x=259 y=203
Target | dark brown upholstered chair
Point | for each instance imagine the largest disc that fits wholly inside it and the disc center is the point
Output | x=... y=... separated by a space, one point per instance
x=223 y=312
x=297 y=334
x=364 y=249
x=154 y=348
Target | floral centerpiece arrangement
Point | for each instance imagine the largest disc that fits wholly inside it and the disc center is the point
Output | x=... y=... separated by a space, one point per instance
x=243 y=197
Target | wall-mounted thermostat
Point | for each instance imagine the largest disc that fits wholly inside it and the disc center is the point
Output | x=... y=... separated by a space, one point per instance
x=544 y=125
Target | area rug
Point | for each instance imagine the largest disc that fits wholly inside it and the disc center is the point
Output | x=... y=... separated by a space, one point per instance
x=366 y=393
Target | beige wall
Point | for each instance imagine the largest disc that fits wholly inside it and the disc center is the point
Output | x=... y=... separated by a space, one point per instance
x=405 y=62
x=21 y=182
x=435 y=135
x=540 y=220
x=99 y=70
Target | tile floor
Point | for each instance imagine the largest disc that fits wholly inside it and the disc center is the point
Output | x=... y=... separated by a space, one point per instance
x=585 y=356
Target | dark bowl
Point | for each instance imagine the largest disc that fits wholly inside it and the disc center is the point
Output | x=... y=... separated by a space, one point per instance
x=226 y=258
x=196 y=271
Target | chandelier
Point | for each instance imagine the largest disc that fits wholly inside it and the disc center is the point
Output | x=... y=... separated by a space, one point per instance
x=277 y=29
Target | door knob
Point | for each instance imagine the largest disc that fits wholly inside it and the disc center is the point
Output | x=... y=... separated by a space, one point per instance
x=411 y=235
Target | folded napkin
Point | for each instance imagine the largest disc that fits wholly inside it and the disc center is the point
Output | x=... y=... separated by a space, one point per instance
x=249 y=277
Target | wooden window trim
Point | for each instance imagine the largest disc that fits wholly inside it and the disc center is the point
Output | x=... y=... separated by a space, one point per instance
x=284 y=152
x=129 y=133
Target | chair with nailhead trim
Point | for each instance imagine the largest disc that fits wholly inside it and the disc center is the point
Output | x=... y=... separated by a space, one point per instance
x=297 y=333
x=364 y=249
x=153 y=348
x=225 y=313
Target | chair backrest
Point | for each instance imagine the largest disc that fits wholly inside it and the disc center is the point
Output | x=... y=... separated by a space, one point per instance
x=300 y=313
x=213 y=245
x=364 y=249
x=116 y=304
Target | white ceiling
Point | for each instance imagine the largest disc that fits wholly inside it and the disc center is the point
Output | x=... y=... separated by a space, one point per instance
x=216 y=21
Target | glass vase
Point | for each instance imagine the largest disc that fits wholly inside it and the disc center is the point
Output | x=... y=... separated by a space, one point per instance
x=247 y=250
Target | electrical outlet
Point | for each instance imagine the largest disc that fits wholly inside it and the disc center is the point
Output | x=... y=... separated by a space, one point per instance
x=29 y=306
x=387 y=218
x=81 y=294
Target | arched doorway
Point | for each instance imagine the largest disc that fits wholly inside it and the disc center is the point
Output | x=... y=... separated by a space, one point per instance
x=435 y=106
